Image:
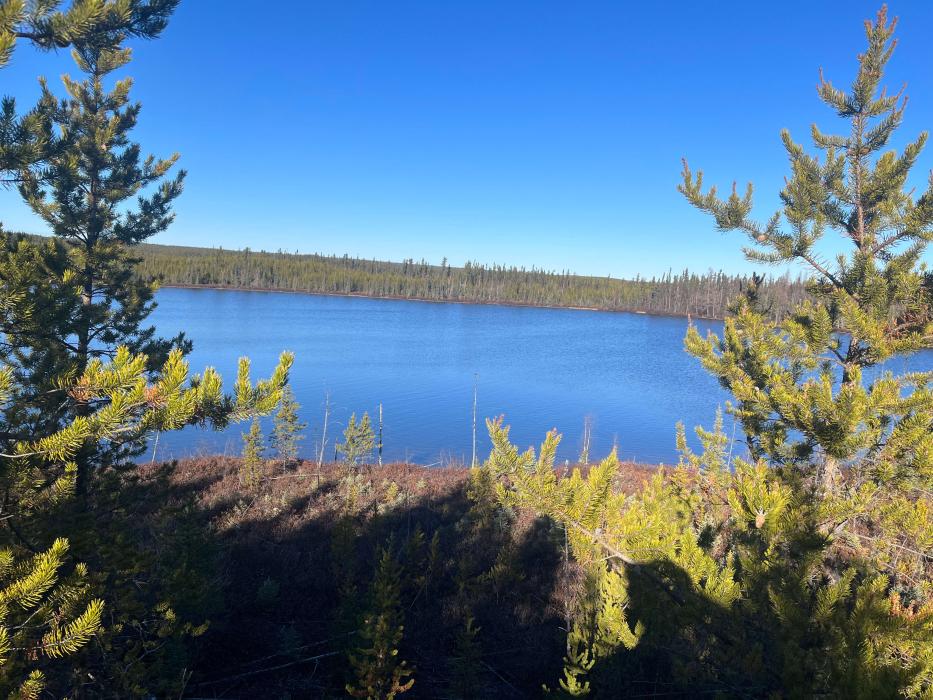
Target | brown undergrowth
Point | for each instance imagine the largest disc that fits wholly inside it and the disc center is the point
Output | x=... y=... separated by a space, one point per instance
x=484 y=593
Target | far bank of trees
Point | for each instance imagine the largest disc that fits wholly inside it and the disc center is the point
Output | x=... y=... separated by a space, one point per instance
x=702 y=295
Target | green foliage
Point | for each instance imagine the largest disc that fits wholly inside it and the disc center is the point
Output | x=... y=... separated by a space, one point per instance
x=76 y=298
x=37 y=479
x=862 y=442
x=83 y=23
x=802 y=569
x=379 y=673
x=722 y=569
x=577 y=664
x=287 y=428
x=465 y=676
x=268 y=592
x=703 y=295
x=42 y=613
x=358 y=440
x=251 y=466
x=40 y=473
x=28 y=140
x=135 y=403
x=82 y=382
x=788 y=573
x=151 y=560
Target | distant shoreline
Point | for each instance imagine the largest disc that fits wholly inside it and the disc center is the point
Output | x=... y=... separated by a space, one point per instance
x=226 y=288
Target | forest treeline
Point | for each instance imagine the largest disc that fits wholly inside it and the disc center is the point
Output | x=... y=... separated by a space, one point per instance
x=703 y=295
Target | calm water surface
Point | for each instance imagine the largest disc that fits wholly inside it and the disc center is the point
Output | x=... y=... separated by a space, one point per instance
x=543 y=368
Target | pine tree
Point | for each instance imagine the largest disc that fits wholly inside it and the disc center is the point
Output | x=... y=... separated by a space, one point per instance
x=74 y=383
x=37 y=476
x=251 y=468
x=465 y=666
x=44 y=607
x=25 y=141
x=81 y=193
x=851 y=449
x=379 y=673
x=36 y=594
x=805 y=569
x=65 y=303
x=807 y=398
x=104 y=23
x=358 y=440
x=287 y=428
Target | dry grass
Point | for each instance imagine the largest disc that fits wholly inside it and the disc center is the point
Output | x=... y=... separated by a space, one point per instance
x=290 y=583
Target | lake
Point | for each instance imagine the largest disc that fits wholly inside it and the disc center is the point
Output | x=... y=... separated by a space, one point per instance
x=626 y=374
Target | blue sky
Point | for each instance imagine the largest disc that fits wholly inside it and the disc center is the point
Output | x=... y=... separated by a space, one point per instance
x=524 y=132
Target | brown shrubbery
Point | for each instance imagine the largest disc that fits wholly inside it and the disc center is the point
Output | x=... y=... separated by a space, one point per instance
x=286 y=569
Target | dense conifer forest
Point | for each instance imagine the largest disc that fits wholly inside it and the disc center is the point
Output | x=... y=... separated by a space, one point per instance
x=703 y=295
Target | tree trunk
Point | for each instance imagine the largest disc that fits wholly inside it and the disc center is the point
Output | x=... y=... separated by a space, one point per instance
x=83 y=409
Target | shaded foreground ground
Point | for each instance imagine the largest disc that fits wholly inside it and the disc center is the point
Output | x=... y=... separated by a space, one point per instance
x=283 y=572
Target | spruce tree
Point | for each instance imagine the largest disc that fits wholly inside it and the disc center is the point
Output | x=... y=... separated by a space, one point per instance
x=379 y=673
x=358 y=440
x=251 y=467
x=465 y=666
x=287 y=428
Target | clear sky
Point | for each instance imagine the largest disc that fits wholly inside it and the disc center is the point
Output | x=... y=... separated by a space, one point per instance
x=527 y=132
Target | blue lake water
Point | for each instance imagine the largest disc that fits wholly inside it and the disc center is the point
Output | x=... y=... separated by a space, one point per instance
x=543 y=368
